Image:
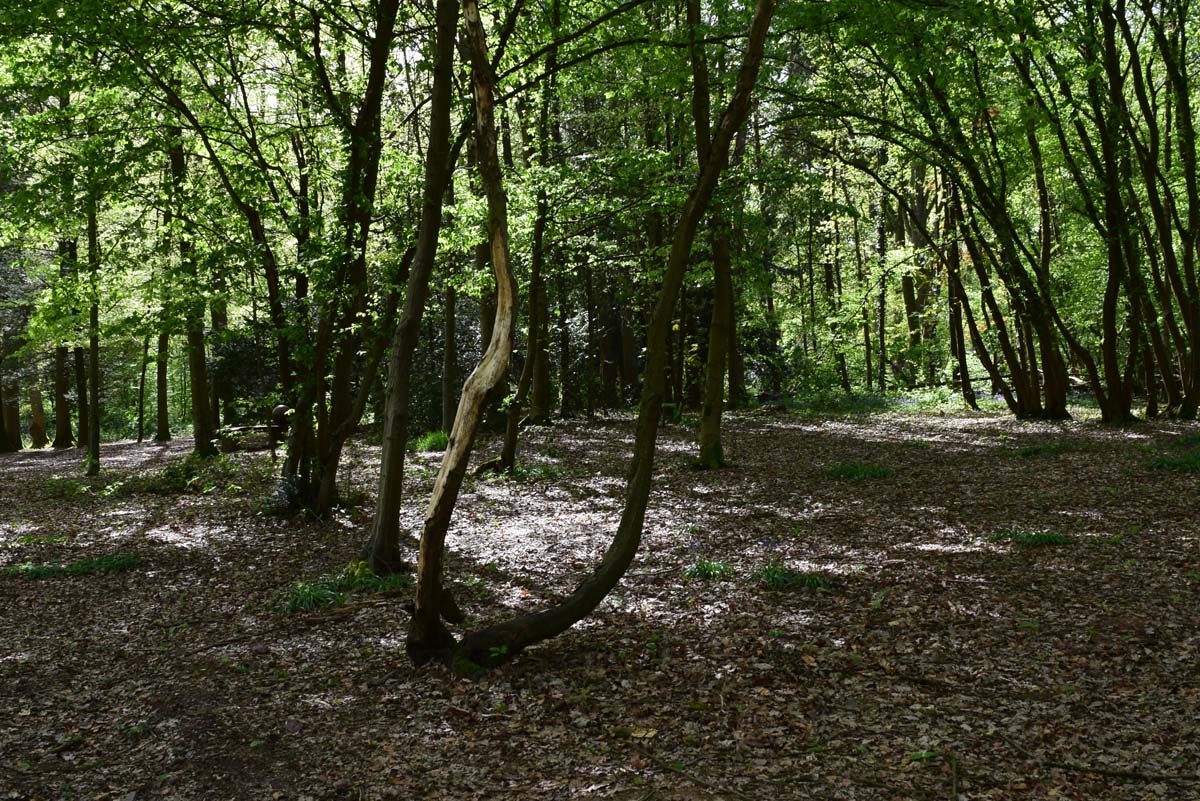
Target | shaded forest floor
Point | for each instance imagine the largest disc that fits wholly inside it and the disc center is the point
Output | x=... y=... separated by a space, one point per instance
x=950 y=644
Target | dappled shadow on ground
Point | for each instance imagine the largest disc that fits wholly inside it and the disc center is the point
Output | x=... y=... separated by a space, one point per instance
x=939 y=652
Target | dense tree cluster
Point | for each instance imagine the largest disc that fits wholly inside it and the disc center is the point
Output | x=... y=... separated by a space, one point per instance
x=349 y=206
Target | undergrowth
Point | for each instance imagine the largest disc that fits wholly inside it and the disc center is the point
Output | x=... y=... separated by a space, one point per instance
x=193 y=474
x=114 y=563
x=333 y=590
x=430 y=441
x=1186 y=462
x=709 y=570
x=1038 y=538
x=778 y=576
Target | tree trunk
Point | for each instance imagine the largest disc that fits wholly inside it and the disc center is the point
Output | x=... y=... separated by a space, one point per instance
x=957 y=344
x=504 y=640
x=37 y=418
x=12 y=416
x=589 y=357
x=566 y=378
x=81 y=397
x=449 y=354
x=141 y=402
x=427 y=636
x=93 y=236
x=382 y=549
x=203 y=431
x=222 y=397
x=162 y=429
x=6 y=440
x=881 y=258
x=711 y=455
x=62 y=403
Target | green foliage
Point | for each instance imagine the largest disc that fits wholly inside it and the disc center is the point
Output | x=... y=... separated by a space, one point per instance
x=430 y=441
x=60 y=487
x=43 y=539
x=332 y=590
x=308 y=595
x=858 y=471
x=1186 y=462
x=1037 y=538
x=113 y=563
x=778 y=576
x=527 y=472
x=193 y=474
x=826 y=402
x=709 y=570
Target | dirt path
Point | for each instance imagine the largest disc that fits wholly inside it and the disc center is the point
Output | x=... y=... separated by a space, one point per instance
x=937 y=655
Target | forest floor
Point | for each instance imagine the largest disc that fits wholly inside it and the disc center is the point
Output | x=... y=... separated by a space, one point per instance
x=1003 y=610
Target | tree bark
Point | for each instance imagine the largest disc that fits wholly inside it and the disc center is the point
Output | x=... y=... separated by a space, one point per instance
x=162 y=428
x=449 y=355
x=62 y=403
x=81 y=397
x=141 y=402
x=427 y=636
x=37 y=418
x=6 y=440
x=93 y=237
x=382 y=548
x=10 y=406
x=711 y=455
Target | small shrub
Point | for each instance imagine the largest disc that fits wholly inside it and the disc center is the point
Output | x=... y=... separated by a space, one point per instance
x=430 y=441
x=114 y=563
x=308 y=595
x=59 y=487
x=537 y=472
x=709 y=570
x=858 y=471
x=778 y=576
x=1031 y=539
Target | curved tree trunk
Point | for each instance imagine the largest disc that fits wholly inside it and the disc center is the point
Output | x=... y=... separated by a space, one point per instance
x=500 y=642
x=427 y=636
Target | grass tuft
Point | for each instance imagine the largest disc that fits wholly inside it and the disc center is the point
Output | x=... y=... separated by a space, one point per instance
x=858 y=471
x=305 y=596
x=430 y=441
x=114 y=563
x=1031 y=539
x=778 y=576
x=1187 y=462
x=709 y=570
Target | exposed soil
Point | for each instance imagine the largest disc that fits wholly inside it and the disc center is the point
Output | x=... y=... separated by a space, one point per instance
x=939 y=657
